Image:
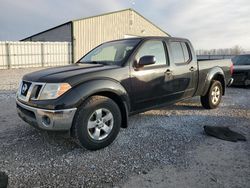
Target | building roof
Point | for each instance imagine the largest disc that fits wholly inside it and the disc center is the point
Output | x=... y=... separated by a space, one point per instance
x=46 y=30
x=70 y=22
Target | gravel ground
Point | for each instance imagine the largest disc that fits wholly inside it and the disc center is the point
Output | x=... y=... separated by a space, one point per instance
x=9 y=79
x=161 y=148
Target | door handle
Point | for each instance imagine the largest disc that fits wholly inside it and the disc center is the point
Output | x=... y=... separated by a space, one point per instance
x=192 y=69
x=169 y=72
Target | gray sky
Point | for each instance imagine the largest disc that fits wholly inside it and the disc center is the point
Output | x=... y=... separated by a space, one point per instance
x=207 y=23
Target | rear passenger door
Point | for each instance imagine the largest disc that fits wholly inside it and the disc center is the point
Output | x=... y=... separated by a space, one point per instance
x=183 y=68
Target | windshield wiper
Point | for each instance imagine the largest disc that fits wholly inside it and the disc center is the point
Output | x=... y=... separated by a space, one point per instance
x=95 y=62
x=91 y=62
x=99 y=62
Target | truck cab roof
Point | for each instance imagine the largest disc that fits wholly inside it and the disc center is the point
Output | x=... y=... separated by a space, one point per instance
x=151 y=38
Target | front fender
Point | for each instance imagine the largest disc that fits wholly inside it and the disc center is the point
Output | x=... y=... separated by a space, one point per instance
x=82 y=91
x=76 y=95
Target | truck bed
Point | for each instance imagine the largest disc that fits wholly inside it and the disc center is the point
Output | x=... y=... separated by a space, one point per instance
x=206 y=69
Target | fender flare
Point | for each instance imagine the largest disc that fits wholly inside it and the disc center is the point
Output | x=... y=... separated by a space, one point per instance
x=214 y=72
x=104 y=87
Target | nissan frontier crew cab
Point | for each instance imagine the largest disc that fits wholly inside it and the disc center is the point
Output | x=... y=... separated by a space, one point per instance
x=93 y=98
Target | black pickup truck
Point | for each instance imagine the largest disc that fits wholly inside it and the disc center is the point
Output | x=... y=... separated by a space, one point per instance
x=93 y=98
x=241 y=72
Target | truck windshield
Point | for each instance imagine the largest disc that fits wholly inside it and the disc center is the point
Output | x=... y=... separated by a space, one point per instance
x=241 y=60
x=111 y=53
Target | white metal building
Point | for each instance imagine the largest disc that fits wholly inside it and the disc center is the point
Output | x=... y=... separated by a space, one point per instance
x=86 y=33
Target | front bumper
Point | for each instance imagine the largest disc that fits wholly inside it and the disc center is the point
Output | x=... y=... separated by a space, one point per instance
x=56 y=120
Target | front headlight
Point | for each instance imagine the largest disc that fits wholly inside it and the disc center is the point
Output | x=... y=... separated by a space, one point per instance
x=53 y=91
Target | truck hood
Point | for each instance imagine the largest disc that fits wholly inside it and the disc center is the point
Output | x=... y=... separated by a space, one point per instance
x=64 y=73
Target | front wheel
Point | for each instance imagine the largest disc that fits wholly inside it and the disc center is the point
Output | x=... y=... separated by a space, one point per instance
x=213 y=96
x=97 y=123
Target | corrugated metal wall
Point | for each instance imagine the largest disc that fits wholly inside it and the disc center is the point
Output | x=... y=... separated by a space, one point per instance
x=90 y=32
x=143 y=27
x=34 y=54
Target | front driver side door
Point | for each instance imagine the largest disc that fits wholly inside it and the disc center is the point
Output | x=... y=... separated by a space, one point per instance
x=148 y=82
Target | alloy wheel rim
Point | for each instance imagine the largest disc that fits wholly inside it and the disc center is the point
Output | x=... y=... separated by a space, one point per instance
x=100 y=124
x=215 y=95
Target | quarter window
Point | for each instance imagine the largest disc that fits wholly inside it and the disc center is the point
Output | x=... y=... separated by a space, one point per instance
x=153 y=48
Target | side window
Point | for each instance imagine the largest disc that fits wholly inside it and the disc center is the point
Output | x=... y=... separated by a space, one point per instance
x=185 y=52
x=177 y=52
x=154 y=48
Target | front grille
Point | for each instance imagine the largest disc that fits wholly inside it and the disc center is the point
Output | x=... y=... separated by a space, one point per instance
x=30 y=90
x=36 y=91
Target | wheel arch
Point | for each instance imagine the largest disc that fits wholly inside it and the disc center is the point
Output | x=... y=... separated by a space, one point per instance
x=121 y=104
x=107 y=88
x=215 y=73
x=219 y=77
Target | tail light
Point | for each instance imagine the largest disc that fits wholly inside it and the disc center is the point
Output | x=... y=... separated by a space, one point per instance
x=232 y=68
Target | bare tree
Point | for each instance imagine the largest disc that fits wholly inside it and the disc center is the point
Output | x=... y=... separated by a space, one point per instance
x=235 y=50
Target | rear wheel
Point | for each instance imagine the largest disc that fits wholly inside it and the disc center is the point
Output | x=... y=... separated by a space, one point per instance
x=97 y=123
x=213 y=96
x=246 y=82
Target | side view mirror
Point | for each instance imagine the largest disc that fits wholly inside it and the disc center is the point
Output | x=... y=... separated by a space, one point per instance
x=146 y=60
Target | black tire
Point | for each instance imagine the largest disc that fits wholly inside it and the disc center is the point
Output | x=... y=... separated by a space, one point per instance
x=3 y=180
x=245 y=83
x=207 y=100
x=80 y=128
